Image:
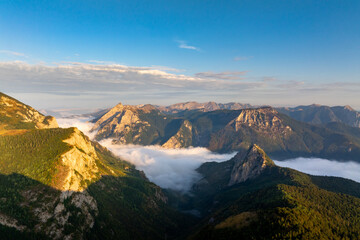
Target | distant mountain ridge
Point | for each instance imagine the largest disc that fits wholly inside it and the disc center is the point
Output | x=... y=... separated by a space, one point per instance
x=227 y=131
x=314 y=114
x=319 y=114
x=206 y=106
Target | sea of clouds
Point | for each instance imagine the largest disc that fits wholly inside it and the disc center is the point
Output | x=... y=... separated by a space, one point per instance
x=168 y=168
x=323 y=167
x=176 y=168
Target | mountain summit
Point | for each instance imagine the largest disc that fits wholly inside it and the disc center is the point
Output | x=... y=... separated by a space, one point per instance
x=250 y=166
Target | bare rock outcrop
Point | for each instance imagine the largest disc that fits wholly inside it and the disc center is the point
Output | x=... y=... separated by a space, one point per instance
x=120 y=121
x=78 y=165
x=249 y=165
x=183 y=137
x=264 y=119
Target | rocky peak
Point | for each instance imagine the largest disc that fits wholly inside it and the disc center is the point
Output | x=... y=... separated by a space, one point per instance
x=146 y=108
x=348 y=107
x=265 y=118
x=249 y=165
x=120 y=120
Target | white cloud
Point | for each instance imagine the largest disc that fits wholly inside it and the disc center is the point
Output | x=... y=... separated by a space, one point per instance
x=323 y=167
x=103 y=84
x=184 y=45
x=82 y=123
x=228 y=75
x=168 y=168
x=12 y=53
x=108 y=77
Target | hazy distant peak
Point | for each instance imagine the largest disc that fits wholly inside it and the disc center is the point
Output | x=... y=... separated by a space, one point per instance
x=321 y=114
x=205 y=106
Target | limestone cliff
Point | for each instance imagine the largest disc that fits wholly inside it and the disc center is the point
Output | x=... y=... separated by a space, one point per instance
x=183 y=137
x=77 y=169
x=120 y=121
x=78 y=166
x=265 y=119
x=250 y=165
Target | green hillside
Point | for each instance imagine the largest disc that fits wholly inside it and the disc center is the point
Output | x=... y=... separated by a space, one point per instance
x=34 y=153
x=15 y=115
x=281 y=203
x=55 y=184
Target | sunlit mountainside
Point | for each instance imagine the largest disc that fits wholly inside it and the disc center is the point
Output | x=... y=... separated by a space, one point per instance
x=224 y=130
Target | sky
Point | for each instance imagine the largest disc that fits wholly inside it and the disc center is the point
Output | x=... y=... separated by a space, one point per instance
x=88 y=54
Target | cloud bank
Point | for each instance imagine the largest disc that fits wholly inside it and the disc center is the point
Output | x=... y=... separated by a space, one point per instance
x=81 y=123
x=100 y=84
x=323 y=167
x=168 y=168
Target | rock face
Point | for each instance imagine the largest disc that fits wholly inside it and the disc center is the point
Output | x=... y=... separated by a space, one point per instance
x=78 y=165
x=57 y=209
x=261 y=119
x=77 y=169
x=183 y=138
x=13 y=109
x=120 y=121
x=250 y=165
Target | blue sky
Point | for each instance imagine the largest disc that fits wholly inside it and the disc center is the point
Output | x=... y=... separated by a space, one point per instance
x=261 y=52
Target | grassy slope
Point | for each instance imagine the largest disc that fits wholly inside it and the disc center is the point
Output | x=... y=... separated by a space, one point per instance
x=34 y=153
x=12 y=120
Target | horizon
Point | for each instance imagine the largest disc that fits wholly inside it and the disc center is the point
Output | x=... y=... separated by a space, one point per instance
x=65 y=112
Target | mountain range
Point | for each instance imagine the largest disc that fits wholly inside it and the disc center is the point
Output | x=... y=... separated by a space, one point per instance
x=314 y=114
x=56 y=183
x=319 y=114
x=229 y=130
